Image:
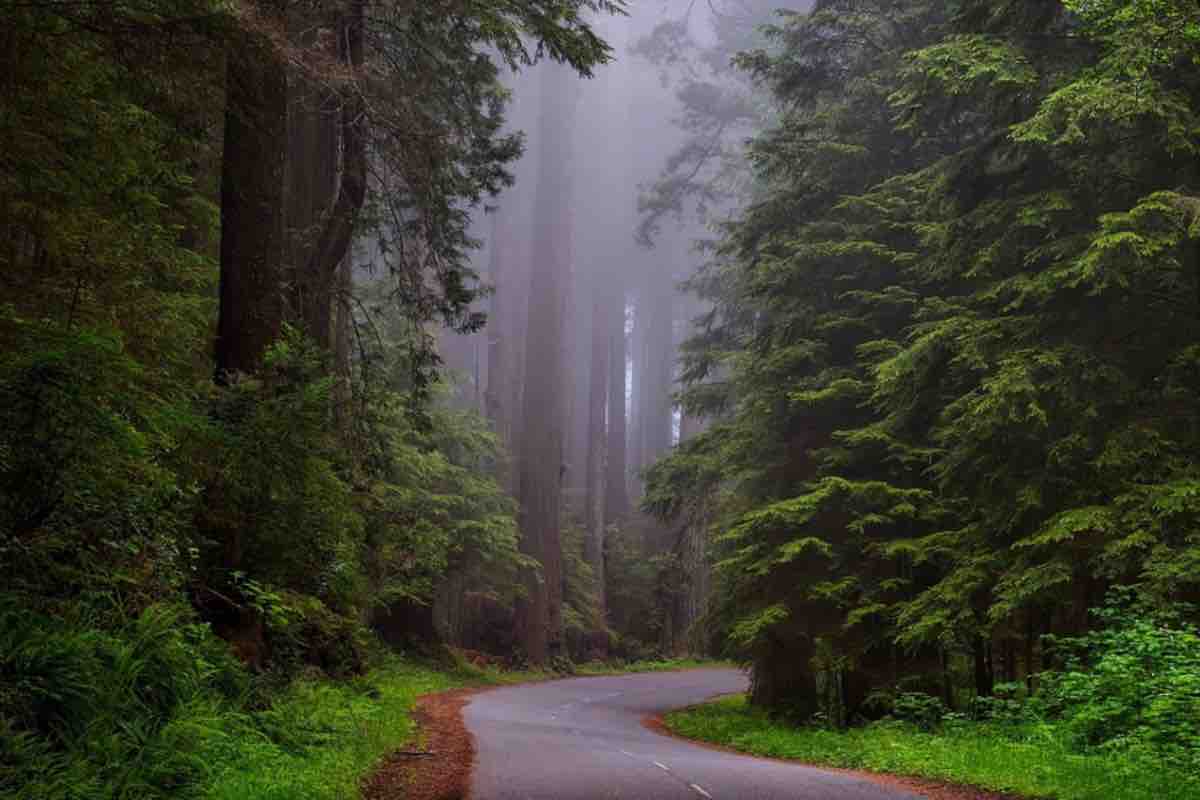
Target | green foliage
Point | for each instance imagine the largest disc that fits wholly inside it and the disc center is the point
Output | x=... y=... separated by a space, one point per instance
x=319 y=739
x=1132 y=684
x=85 y=495
x=632 y=606
x=272 y=467
x=583 y=617
x=921 y=710
x=949 y=342
x=1032 y=762
x=132 y=708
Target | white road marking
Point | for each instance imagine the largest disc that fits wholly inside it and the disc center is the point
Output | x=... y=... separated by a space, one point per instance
x=627 y=753
x=700 y=791
x=662 y=766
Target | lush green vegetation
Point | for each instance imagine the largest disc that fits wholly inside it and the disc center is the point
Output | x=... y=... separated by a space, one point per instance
x=319 y=739
x=951 y=354
x=1117 y=721
x=156 y=706
x=1031 y=760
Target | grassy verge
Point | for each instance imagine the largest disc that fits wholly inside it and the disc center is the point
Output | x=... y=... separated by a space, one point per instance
x=666 y=665
x=320 y=738
x=1032 y=761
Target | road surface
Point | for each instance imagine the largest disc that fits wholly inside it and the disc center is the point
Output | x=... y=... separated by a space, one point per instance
x=583 y=739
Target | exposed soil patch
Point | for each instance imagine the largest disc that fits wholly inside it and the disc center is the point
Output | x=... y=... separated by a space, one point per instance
x=437 y=766
x=934 y=790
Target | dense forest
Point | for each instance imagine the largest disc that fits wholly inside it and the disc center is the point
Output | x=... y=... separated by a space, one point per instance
x=856 y=341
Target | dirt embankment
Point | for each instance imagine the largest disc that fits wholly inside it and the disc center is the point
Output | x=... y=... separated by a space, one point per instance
x=438 y=765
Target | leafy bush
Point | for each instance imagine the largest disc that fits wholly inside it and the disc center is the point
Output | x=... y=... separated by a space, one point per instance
x=277 y=506
x=85 y=498
x=1134 y=683
x=923 y=710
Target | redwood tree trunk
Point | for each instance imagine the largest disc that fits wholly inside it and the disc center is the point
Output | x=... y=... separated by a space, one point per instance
x=539 y=614
x=337 y=230
x=616 y=501
x=252 y=175
x=596 y=444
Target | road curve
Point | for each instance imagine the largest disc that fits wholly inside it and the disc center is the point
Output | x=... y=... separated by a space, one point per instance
x=583 y=739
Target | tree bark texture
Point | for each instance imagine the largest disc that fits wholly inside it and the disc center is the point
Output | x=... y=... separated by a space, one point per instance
x=252 y=200
x=538 y=620
x=337 y=231
x=312 y=187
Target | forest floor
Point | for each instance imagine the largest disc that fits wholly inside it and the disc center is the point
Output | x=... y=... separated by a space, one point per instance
x=1031 y=761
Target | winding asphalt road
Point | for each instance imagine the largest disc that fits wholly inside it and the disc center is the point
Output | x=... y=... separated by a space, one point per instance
x=583 y=739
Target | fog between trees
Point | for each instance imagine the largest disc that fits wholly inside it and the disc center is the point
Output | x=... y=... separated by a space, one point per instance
x=587 y=252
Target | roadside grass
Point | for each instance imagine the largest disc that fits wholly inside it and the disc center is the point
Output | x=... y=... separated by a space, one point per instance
x=663 y=665
x=1030 y=760
x=319 y=738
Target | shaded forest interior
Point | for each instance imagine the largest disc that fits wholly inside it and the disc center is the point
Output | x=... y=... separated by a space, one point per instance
x=855 y=340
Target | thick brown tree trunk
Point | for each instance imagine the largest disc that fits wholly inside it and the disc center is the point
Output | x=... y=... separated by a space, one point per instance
x=332 y=242
x=252 y=176
x=538 y=620
x=312 y=189
x=312 y=172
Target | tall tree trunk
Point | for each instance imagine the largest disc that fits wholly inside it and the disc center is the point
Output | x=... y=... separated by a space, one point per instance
x=985 y=679
x=337 y=231
x=597 y=442
x=252 y=175
x=343 y=334
x=697 y=573
x=577 y=343
x=503 y=334
x=657 y=418
x=314 y=166
x=616 y=501
x=311 y=183
x=539 y=613
x=637 y=390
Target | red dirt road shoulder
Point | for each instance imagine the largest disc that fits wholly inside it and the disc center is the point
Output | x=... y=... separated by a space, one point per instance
x=445 y=772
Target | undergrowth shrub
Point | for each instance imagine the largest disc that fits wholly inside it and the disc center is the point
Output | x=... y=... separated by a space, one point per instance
x=86 y=498
x=1132 y=684
x=138 y=709
x=925 y=711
